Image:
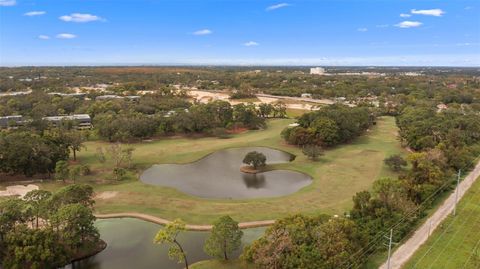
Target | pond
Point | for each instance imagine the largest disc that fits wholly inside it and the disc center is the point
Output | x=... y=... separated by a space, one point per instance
x=218 y=175
x=130 y=245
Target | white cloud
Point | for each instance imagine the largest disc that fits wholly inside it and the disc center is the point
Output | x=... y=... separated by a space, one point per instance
x=203 y=32
x=362 y=29
x=34 y=13
x=79 y=17
x=7 y=3
x=44 y=37
x=404 y=15
x=277 y=6
x=66 y=36
x=429 y=12
x=251 y=44
x=409 y=24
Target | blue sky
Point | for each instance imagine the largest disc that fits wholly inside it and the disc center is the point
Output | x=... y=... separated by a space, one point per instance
x=323 y=32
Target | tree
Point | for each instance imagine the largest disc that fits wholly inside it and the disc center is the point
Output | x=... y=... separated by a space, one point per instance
x=73 y=194
x=264 y=110
x=395 y=162
x=119 y=173
x=225 y=237
x=290 y=242
x=255 y=159
x=38 y=201
x=312 y=151
x=61 y=170
x=76 y=222
x=75 y=142
x=279 y=109
x=34 y=248
x=338 y=240
x=74 y=173
x=168 y=235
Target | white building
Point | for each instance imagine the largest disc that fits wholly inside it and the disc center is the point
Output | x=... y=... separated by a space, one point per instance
x=317 y=71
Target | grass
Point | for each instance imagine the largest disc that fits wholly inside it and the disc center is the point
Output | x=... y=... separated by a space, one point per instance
x=216 y=264
x=339 y=174
x=453 y=243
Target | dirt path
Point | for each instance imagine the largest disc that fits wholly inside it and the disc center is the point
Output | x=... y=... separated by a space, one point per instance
x=191 y=227
x=407 y=249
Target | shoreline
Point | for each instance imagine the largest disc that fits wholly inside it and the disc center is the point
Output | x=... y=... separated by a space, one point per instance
x=189 y=227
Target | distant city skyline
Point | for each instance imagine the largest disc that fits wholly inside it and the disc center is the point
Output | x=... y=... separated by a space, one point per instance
x=187 y=32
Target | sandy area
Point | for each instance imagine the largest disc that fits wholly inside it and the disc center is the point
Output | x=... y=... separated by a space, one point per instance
x=106 y=195
x=205 y=97
x=18 y=190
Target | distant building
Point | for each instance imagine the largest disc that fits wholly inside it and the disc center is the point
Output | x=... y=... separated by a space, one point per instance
x=77 y=95
x=108 y=97
x=11 y=121
x=317 y=71
x=83 y=121
x=306 y=95
x=15 y=93
x=441 y=107
x=111 y=97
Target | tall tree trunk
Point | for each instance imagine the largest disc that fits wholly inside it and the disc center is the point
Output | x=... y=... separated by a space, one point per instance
x=74 y=155
x=183 y=253
x=225 y=249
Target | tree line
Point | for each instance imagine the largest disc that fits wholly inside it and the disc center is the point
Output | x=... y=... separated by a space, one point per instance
x=329 y=126
x=48 y=230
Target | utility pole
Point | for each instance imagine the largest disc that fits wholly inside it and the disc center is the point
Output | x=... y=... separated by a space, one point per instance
x=456 y=192
x=389 y=248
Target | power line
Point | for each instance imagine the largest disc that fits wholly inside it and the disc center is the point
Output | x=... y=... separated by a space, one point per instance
x=471 y=254
x=364 y=251
x=441 y=235
x=453 y=236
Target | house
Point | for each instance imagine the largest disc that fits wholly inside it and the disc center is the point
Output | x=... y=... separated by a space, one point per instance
x=61 y=94
x=108 y=97
x=111 y=97
x=306 y=95
x=11 y=121
x=83 y=121
x=441 y=107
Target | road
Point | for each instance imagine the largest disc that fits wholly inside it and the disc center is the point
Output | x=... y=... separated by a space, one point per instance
x=407 y=249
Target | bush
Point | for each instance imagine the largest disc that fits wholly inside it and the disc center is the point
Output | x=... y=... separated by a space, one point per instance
x=312 y=151
x=395 y=162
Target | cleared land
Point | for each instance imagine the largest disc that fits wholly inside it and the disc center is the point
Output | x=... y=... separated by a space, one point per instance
x=456 y=243
x=339 y=174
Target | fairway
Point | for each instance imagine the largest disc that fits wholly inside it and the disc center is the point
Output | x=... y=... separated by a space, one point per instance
x=456 y=243
x=337 y=176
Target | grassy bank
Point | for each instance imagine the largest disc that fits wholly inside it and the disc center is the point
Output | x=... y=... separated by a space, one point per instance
x=339 y=174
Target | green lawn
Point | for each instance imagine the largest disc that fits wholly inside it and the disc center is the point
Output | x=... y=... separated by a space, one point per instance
x=451 y=245
x=339 y=174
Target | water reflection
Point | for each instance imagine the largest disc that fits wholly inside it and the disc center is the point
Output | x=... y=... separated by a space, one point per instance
x=218 y=176
x=130 y=245
x=255 y=181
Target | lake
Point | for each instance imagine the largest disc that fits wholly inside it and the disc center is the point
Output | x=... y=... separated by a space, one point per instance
x=130 y=245
x=218 y=175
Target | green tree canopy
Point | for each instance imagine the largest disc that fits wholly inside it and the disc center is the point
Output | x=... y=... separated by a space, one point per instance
x=224 y=238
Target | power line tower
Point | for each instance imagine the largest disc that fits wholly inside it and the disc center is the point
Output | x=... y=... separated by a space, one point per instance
x=390 y=243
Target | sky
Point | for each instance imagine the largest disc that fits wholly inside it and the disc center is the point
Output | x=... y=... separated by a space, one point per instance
x=234 y=32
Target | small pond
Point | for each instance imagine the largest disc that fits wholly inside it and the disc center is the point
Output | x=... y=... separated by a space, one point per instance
x=130 y=245
x=218 y=175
